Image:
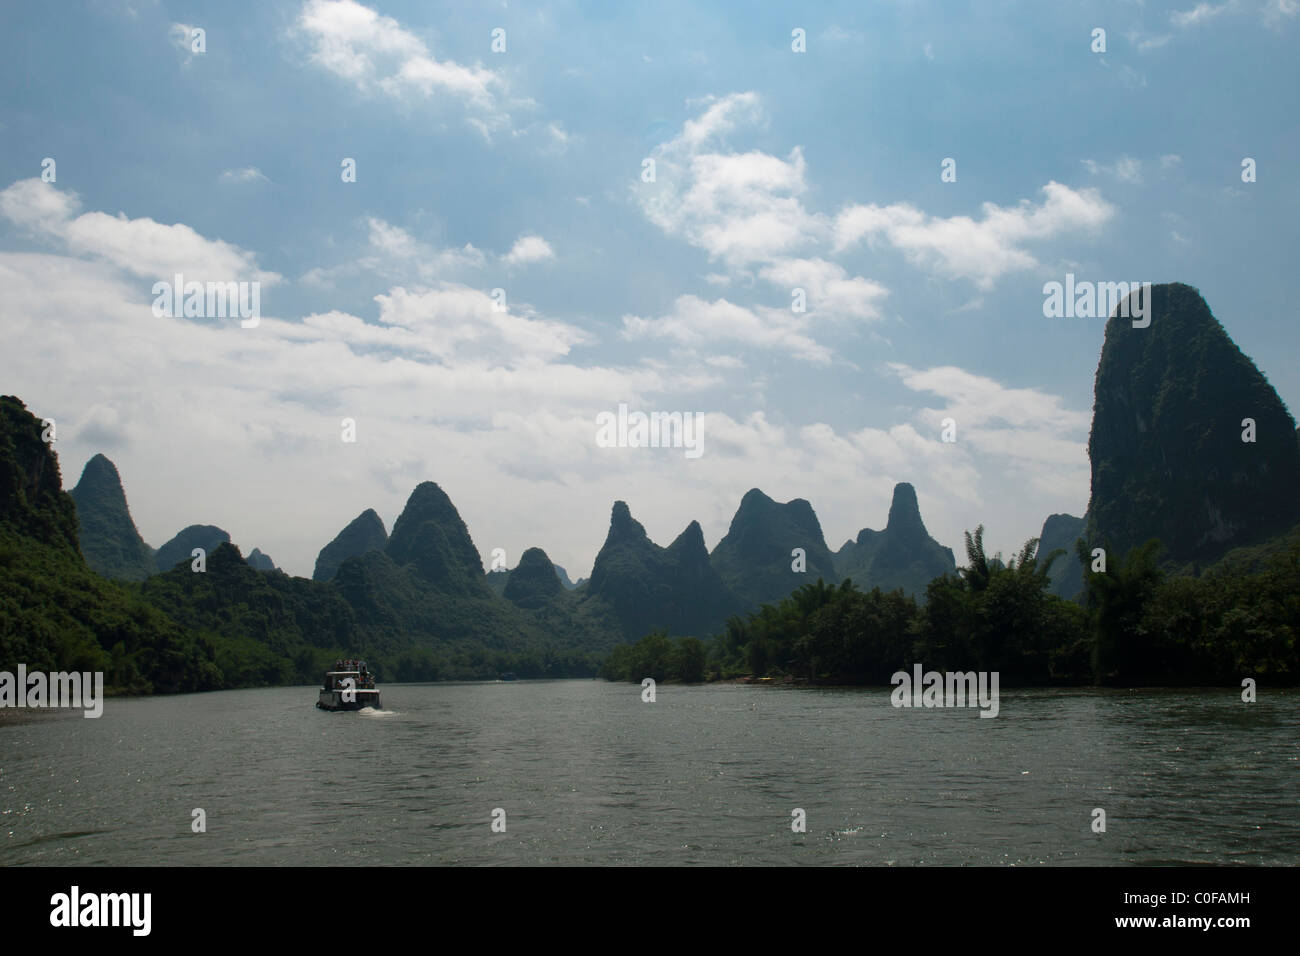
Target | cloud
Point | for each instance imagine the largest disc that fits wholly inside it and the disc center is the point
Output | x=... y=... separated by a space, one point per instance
x=1022 y=429
x=491 y=406
x=828 y=286
x=182 y=37
x=1271 y=12
x=980 y=250
x=143 y=247
x=742 y=208
x=838 y=34
x=37 y=206
x=694 y=321
x=101 y=426
x=249 y=174
x=529 y=249
x=448 y=323
x=374 y=52
x=1201 y=13
x=1126 y=169
x=442 y=387
x=393 y=254
x=1152 y=42
x=559 y=137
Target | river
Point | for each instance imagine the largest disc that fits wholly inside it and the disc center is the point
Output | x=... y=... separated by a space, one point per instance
x=588 y=773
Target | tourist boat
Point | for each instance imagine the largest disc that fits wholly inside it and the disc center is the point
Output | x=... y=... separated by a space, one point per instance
x=349 y=686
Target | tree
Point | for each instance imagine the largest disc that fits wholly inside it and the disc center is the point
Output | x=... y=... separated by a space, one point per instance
x=1116 y=598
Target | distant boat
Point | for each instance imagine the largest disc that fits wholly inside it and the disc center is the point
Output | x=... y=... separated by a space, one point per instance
x=509 y=675
x=349 y=686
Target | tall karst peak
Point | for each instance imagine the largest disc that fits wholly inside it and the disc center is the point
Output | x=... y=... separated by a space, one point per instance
x=363 y=533
x=534 y=582
x=622 y=526
x=430 y=537
x=772 y=548
x=1189 y=444
x=181 y=547
x=903 y=555
x=109 y=539
x=905 y=512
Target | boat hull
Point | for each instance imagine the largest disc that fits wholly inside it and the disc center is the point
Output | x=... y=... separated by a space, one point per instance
x=333 y=700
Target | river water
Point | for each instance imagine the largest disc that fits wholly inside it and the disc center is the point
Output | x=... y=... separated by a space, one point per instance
x=588 y=773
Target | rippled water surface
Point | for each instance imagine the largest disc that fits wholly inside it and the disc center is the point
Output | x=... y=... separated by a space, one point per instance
x=588 y=773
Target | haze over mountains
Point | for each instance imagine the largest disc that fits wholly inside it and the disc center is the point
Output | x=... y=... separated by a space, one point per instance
x=635 y=586
x=112 y=545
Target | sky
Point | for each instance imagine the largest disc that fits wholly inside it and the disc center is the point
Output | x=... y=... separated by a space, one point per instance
x=504 y=269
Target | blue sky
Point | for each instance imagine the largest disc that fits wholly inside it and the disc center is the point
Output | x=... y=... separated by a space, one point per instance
x=521 y=170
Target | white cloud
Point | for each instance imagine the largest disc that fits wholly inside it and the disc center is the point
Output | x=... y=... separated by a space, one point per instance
x=1153 y=42
x=393 y=254
x=529 y=249
x=375 y=52
x=742 y=208
x=1024 y=430
x=182 y=37
x=559 y=136
x=724 y=361
x=249 y=174
x=144 y=247
x=449 y=323
x=1126 y=169
x=694 y=321
x=1201 y=13
x=828 y=286
x=37 y=206
x=962 y=247
x=453 y=318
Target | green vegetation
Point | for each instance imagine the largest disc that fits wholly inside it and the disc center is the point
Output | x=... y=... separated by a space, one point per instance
x=1169 y=469
x=234 y=626
x=637 y=586
x=902 y=556
x=181 y=547
x=1168 y=459
x=659 y=656
x=109 y=540
x=754 y=558
x=57 y=614
x=364 y=533
x=1138 y=626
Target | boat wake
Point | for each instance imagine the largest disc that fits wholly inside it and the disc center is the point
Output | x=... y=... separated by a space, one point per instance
x=372 y=712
